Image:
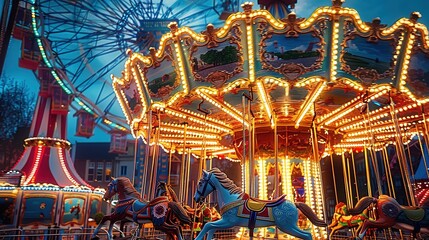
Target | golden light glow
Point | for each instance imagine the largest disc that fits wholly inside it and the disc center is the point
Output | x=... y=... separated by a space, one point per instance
x=308 y=103
x=30 y=177
x=265 y=101
x=205 y=93
x=64 y=167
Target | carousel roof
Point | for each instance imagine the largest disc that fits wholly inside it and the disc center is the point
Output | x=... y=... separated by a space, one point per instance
x=46 y=158
x=356 y=82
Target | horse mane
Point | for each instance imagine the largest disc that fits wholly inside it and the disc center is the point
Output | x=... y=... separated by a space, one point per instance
x=172 y=193
x=361 y=205
x=225 y=181
x=128 y=187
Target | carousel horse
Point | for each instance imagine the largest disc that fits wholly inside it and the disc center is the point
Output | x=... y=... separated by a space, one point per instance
x=389 y=213
x=239 y=209
x=343 y=219
x=202 y=215
x=160 y=211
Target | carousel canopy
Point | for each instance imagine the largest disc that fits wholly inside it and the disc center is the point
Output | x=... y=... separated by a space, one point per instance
x=355 y=82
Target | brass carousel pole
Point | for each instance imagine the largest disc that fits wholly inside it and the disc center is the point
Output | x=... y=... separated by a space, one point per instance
x=202 y=164
x=135 y=159
x=349 y=179
x=389 y=172
x=170 y=158
x=423 y=152
x=426 y=132
x=386 y=170
x=333 y=177
x=252 y=151
x=188 y=171
x=155 y=159
x=246 y=170
x=402 y=159
x=367 y=171
x=251 y=122
x=410 y=162
x=354 y=174
x=276 y=155
x=183 y=165
x=316 y=159
x=372 y=152
x=154 y=166
x=346 y=184
x=146 y=156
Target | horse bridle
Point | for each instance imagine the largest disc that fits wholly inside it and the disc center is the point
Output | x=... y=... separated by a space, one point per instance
x=113 y=183
x=201 y=193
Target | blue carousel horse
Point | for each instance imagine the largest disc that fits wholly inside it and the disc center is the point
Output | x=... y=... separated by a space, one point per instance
x=160 y=211
x=239 y=209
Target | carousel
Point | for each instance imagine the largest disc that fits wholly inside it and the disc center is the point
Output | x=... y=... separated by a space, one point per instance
x=43 y=193
x=283 y=95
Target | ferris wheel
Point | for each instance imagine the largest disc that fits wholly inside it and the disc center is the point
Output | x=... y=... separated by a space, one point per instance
x=82 y=43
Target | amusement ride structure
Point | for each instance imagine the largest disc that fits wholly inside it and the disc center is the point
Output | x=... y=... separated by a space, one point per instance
x=272 y=91
x=43 y=189
x=280 y=94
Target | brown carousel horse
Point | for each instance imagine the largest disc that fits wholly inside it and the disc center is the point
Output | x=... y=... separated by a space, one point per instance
x=343 y=219
x=202 y=215
x=389 y=213
x=160 y=211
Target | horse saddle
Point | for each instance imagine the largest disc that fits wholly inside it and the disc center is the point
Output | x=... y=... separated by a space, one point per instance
x=258 y=205
x=142 y=209
x=140 y=206
x=415 y=214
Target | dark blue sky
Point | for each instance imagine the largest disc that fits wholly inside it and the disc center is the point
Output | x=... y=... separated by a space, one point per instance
x=387 y=10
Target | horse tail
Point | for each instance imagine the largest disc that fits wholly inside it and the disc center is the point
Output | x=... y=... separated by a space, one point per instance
x=180 y=213
x=362 y=205
x=308 y=212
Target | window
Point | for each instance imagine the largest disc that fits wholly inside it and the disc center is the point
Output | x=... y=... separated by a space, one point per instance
x=108 y=171
x=91 y=171
x=100 y=166
x=175 y=173
x=123 y=170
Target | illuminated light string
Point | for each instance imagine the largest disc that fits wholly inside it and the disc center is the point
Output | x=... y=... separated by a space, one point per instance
x=198 y=118
x=233 y=85
x=373 y=115
x=264 y=99
x=64 y=167
x=35 y=166
x=193 y=131
x=60 y=81
x=223 y=106
x=345 y=109
x=308 y=103
x=41 y=187
x=379 y=124
x=318 y=13
x=386 y=126
x=46 y=141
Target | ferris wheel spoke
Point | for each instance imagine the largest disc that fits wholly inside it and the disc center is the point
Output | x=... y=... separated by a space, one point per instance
x=86 y=40
x=101 y=72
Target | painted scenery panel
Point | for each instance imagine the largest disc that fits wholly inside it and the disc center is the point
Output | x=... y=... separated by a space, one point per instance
x=7 y=207
x=368 y=60
x=134 y=99
x=38 y=210
x=95 y=208
x=418 y=74
x=216 y=65
x=73 y=211
x=291 y=56
x=162 y=80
